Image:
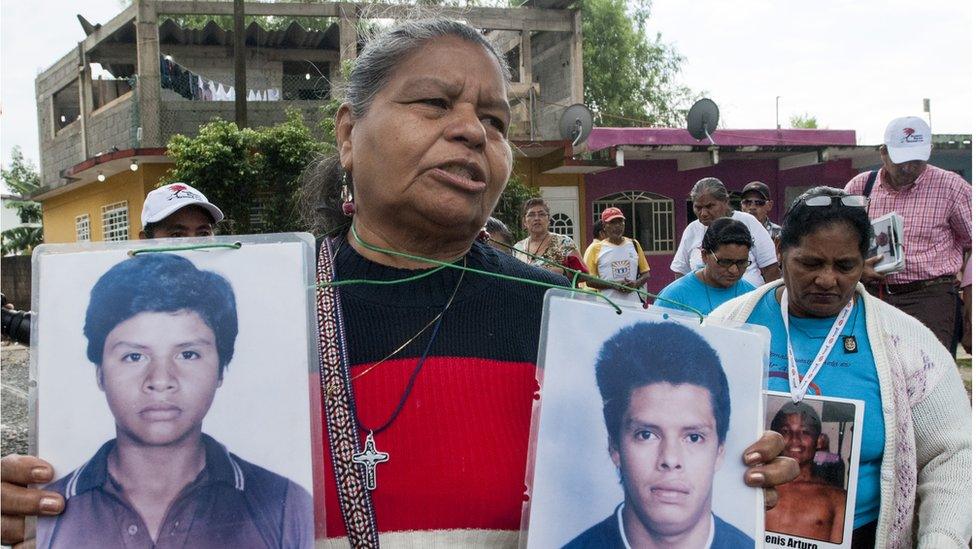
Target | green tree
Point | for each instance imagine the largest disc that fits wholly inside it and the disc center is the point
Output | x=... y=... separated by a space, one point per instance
x=284 y=152
x=247 y=171
x=804 y=121
x=20 y=240
x=630 y=79
x=22 y=178
x=509 y=207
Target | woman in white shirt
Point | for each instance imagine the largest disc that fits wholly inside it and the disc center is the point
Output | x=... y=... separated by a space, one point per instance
x=544 y=248
x=710 y=201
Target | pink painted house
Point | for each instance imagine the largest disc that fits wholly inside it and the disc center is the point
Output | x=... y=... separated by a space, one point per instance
x=660 y=165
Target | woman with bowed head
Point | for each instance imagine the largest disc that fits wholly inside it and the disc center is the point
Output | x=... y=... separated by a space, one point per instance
x=542 y=242
x=913 y=485
x=428 y=383
x=725 y=252
x=499 y=235
x=710 y=201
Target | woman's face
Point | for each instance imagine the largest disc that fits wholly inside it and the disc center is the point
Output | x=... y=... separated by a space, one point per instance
x=725 y=277
x=536 y=220
x=708 y=208
x=822 y=272
x=431 y=154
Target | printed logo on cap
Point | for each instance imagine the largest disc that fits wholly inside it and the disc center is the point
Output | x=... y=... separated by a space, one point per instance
x=911 y=136
x=182 y=192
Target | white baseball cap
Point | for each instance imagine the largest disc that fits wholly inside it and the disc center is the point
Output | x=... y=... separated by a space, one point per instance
x=164 y=201
x=908 y=138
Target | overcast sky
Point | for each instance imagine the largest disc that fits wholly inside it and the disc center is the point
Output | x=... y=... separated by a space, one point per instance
x=33 y=35
x=852 y=64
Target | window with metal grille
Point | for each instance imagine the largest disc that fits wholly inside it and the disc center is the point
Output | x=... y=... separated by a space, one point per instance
x=561 y=223
x=115 y=221
x=650 y=218
x=82 y=228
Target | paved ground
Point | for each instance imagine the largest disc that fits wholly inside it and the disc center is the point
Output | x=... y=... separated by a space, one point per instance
x=14 y=373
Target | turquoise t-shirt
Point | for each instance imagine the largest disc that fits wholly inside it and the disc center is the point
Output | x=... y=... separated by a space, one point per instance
x=844 y=375
x=691 y=291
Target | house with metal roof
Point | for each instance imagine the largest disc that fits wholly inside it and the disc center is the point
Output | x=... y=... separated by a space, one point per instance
x=660 y=165
x=107 y=108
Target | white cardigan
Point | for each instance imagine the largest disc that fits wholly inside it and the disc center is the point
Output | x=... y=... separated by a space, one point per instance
x=927 y=422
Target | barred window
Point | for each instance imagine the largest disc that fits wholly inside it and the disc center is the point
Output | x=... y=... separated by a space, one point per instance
x=82 y=228
x=115 y=221
x=561 y=223
x=650 y=218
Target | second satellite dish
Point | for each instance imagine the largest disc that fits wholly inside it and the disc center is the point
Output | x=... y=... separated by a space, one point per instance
x=703 y=119
x=576 y=123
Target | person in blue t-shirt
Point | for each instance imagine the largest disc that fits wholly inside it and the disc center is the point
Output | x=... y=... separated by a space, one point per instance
x=836 y=232
x=913 y=486
x=725 y=252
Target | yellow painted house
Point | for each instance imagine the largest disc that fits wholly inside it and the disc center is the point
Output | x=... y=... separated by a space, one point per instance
x=89 y=209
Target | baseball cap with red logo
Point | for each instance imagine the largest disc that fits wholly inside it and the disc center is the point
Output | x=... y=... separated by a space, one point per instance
x=908 y=138
x=610 y=214
x=166 y=200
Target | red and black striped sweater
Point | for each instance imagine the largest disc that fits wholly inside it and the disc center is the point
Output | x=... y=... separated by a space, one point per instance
x=458 y=447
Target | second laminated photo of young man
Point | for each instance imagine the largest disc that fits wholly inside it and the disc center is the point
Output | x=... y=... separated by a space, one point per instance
x=643 y=419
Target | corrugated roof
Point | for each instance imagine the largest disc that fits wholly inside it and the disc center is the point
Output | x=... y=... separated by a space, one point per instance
x=295 y=36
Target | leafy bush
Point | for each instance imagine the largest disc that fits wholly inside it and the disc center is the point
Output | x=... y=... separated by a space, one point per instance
x=509 y=208
x=247 y=171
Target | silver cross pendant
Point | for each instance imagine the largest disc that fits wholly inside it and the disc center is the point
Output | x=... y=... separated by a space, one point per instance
x=369 y=458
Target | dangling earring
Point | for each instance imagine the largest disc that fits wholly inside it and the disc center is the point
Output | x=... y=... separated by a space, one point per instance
x=348 y=203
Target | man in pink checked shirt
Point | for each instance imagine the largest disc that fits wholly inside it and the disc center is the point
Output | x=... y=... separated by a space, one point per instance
x=936 y=206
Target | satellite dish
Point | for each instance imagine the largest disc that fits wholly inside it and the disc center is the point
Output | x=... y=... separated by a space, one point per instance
x=576 y=123
x=703 y=119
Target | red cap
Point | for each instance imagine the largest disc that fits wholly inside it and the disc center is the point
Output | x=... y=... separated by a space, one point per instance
x=610 y=214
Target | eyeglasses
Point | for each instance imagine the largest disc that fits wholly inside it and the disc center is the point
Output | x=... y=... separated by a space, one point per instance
x=727 y=263
x=536 y=215
x=753 y=202
x=850 y=200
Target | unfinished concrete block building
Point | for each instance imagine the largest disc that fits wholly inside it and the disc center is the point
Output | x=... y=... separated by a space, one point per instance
x=107 y=108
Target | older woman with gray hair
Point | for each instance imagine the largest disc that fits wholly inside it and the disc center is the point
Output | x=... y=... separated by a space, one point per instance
x=710 y=201
x=429 y=376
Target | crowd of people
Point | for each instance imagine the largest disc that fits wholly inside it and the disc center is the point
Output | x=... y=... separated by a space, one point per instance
x=422 y=160
x=815 y=269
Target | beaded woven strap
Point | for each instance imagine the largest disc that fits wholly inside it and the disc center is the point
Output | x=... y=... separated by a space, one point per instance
x=354 y=499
